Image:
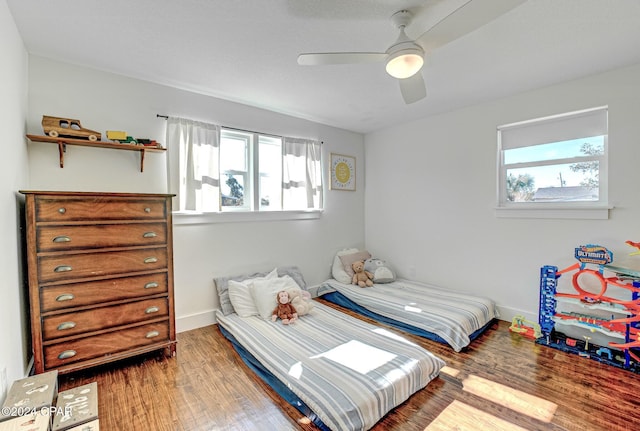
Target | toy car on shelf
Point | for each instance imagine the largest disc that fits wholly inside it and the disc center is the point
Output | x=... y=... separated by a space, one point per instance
x=67 y=127
x=149 y=142
x=128 y=140
x=121 y=137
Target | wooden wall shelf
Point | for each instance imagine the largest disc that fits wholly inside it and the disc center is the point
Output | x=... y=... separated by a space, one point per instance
x=63 y=142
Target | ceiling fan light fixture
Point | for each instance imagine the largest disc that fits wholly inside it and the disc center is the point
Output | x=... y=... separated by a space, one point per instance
x=404 y=63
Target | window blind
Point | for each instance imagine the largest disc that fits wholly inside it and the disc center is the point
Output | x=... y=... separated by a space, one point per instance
x=565 y=127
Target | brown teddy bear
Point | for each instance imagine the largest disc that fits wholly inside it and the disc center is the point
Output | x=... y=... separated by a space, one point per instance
x=284 y=310
x=361 y=277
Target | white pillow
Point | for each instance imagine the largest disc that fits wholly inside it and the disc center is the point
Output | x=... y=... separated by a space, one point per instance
x=264 y=293
x=241 y=298
x=337 y=269
x=273 y=274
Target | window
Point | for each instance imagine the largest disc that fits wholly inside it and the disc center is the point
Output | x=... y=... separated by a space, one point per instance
x=270 y=173
x=235 y=157
x=229 y=170
x=238 y=157
x=551 y=162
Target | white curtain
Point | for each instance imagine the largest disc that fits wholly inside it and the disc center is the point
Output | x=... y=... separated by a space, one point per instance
x=301 y=174
x=198 y=145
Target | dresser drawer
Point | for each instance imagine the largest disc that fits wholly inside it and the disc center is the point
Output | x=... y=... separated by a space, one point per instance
x=96 y=292
x=57 y=355
x=61 y=209
x=63 y=325
x=72 y=266
x=59 y=238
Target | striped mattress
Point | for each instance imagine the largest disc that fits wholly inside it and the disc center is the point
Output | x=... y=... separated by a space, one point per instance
x=452 y=316
x=348 y=372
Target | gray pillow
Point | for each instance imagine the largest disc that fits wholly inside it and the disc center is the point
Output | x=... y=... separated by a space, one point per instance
x=222 y=284
x=381 y=270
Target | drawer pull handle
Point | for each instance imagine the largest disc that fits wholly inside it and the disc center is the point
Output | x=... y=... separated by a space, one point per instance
x=62 y=210
x=66 y=325
x=62 y=268
x=149 y=235
x=65 y=297
x=151 y=260
x=151 y=310
x=67 y=354
x=62 y=238
x=152 y=334
x=151 y=285
x=147 y=210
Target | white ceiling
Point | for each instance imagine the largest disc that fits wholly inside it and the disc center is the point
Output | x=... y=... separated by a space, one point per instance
x=246 y=50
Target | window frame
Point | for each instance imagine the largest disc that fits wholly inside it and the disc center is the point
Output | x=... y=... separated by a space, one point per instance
x=563 y=209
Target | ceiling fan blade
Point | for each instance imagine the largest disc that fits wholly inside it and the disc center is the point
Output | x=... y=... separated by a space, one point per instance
x=413 y=88
x=327 y=58
x=472 y=15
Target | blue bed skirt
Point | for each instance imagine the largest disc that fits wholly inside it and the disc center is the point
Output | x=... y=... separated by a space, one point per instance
x=341 y=300
x=272 y=381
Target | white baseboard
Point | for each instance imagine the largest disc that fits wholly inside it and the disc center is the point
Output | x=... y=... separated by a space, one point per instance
x=196 y=320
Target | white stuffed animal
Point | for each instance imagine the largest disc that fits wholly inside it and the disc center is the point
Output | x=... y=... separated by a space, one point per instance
x=301 y=300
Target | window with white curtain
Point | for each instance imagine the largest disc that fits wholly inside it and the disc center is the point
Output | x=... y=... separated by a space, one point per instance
x=556 y=161
x=222 y=170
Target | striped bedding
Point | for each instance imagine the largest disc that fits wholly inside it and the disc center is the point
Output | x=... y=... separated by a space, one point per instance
x=452 y=316
x=349 y=372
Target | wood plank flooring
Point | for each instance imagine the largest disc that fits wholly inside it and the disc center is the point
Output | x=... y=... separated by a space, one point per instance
x=500 y=379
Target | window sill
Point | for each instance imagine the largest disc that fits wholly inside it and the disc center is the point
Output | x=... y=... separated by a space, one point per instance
x=185 y=218
x=575 y=212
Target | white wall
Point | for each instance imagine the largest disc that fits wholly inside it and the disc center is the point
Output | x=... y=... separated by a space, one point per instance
x=104 y=101
x=14 y=331
x=435 y=178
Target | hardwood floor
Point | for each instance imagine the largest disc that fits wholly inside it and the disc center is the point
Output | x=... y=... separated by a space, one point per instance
x=208 y=387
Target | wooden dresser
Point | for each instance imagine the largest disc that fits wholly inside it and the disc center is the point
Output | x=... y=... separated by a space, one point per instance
x=100 y=269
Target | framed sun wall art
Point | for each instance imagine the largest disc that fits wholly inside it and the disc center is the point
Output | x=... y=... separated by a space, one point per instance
x=343 y=172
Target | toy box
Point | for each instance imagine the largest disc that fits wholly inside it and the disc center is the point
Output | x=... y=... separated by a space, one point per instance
x=89 y=426
x=76 y=406
x=30 y=395
x=33 y=422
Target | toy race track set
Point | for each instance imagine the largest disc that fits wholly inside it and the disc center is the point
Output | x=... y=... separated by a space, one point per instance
x=604 y=311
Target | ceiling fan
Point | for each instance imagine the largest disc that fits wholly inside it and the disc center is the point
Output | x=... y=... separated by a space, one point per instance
x=405 y=57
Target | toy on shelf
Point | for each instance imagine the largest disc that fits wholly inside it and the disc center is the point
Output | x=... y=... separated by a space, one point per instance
x=122 y=138
x=149 y=142
x=611 y=311
x=67 y=127
x=128 y=140
x=116 y=135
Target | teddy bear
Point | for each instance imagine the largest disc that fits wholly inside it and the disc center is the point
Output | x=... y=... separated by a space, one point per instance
x=301 y=300
x=284 y=310
x=361 y=277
